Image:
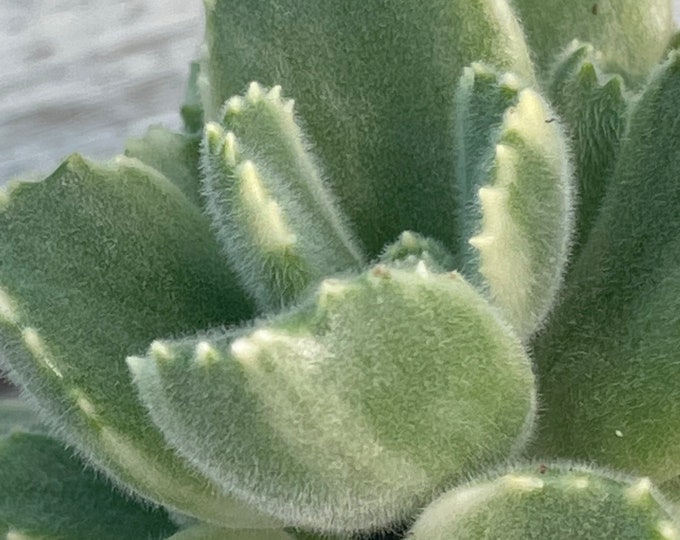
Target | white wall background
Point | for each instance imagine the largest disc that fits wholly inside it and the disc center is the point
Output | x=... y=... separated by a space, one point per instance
x=82 y=75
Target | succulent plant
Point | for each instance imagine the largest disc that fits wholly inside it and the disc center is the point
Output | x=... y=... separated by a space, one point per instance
x=455 y=253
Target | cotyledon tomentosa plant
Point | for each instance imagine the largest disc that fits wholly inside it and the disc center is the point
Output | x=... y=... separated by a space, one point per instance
x=455 y=255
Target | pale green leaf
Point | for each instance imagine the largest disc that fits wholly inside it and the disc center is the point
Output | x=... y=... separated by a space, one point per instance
x=610 y=359
x=96 y=262
x=593 y=105
x=374 y=84
x=269 y=205
x=515 y=183
x=348 y=412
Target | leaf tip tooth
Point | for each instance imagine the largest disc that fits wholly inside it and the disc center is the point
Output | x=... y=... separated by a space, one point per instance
x=503 y=152
x=244 y=349
x=160 y=352
x=275 y=93
x=262 y=336
x=478 y=68
x=492 y=197
x=214 y=135
x=234 y=105
x=205 y=353
x=331 y=289
x=289 y=106
x=421 y=269
x=254 y=93
x=249 y=171
x=530 y=108
x=510 y=81
x=135 y=363
x=640 y=490
x=409 y=240
x=667 y=530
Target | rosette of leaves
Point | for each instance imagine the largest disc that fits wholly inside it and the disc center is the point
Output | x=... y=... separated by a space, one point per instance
x=315 y=316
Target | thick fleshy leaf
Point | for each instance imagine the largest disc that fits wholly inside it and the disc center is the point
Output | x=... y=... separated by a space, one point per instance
x=374 y=84
x=97 y=261
x=594 y=108
x=515 y=184
x=350 y=411
x=47 y=494
x=610 y=360
x=632 y=35
x=175 y=155
x=272 y=213
x=559 y=501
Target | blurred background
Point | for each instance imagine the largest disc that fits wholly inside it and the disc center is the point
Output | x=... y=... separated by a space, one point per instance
x=83 y=75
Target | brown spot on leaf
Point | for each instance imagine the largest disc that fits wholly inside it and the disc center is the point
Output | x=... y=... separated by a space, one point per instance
x=381 y=272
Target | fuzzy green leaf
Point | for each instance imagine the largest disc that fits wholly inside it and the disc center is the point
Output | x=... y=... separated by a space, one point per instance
x=97 y=261
x=515 y=183
x=175 y=155
x=47 y=494
x=632 y=35
x=265 y=194
x=594 y=108
x=610 y=360
x=556 y=501
x=348 y=412
x=374 y=84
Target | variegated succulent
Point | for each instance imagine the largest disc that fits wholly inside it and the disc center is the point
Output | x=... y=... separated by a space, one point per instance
x=404 y=253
